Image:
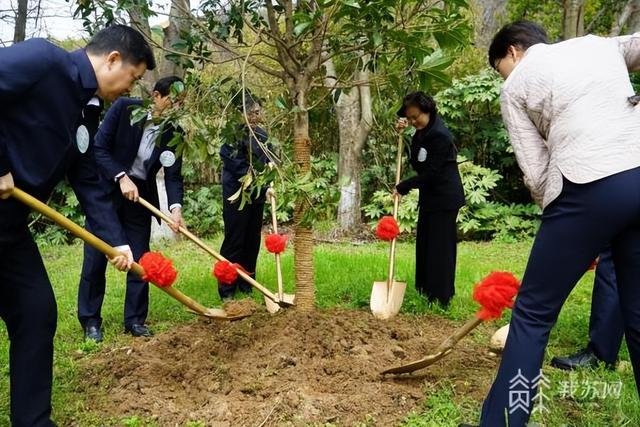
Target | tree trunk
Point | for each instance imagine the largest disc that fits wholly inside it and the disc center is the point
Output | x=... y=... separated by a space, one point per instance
x=355 y=118
x=350 y=160
x=303 y=240
x=572 y=19
x=20 y=28
x=621 y=18
x=634 y=21
x=161 y=230
x=178 y=24
x=624 y=17
x=490 y=16
x=141 y=23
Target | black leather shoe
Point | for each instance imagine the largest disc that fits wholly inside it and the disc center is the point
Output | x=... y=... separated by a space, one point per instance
x=93 y=333
x=138 y=330
x=585 y=358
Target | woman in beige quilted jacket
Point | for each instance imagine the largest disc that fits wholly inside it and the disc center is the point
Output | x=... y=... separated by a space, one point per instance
x=576 y=138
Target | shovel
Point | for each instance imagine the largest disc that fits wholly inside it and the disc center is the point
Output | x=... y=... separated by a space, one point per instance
x=386 y=297
x=102 y=246
x=276 y=302
x=495 y=293
x=443 y=350
x=284 y=298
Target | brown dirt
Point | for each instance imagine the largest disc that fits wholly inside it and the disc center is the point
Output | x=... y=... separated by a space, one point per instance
x=244 y=307
x=288 y=369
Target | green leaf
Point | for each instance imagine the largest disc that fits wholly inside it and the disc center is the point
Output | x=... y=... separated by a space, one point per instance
x=377 y=39
x=281 y=103
x=301 y=27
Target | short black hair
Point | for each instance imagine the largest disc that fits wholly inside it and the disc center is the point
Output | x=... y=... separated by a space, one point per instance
x=131 y=44
x=163 y=86
x=250 y=99
x=419 y=99
x=522 y=34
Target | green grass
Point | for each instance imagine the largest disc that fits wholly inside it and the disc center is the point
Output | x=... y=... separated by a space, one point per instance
x=344 y=274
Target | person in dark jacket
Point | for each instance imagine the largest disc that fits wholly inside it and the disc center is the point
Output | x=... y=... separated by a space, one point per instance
x=129 y=156
x=433 y=157
x=242 y=227
x=43 y=91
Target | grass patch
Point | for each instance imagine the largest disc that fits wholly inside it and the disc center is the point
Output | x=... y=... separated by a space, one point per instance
x=344 y=274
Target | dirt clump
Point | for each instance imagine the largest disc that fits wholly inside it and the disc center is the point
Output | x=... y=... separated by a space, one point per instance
x=288 y=369
x=243 y=307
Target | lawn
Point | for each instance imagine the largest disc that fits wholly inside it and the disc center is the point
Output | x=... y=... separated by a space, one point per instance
x=344 y=274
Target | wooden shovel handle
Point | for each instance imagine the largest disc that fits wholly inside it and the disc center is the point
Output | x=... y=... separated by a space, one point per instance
x=271 y=194
x=206 y=248
x=97 y=243
x=460 y=333
x=396 y=204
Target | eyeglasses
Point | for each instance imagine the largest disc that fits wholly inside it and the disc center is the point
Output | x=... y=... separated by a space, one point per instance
x=497 y=64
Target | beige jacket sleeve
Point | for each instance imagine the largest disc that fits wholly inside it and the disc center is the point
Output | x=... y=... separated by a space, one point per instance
x=529 y=147
x=629 y=46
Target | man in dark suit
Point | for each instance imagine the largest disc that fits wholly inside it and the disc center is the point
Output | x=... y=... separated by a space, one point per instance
x=242 y=227
x=129 y=156
x=43 y=90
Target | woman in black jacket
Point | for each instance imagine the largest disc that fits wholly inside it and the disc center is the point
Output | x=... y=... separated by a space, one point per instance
x=433 y=157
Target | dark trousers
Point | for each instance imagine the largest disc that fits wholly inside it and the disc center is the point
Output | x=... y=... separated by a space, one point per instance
x=574 y=229
x=28 y=308
x=136 y=222
x=606 y=327
x=241 y=242
x=436 y=247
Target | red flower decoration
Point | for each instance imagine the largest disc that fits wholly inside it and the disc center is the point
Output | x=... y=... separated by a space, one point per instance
x=387 y=228
x=225 y=272
x=495 y=293
x=275 y=243
x=158 y=269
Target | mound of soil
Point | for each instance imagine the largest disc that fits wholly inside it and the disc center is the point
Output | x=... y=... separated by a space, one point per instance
x=244 y=307
x=287 y=369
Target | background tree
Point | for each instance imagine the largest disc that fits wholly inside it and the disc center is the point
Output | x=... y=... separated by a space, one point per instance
x=354 y=114
x=572 y=18
x=297 y=39
x=21 y=21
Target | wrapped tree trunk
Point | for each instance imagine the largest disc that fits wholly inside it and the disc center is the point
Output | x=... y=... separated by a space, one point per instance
x=303 y=240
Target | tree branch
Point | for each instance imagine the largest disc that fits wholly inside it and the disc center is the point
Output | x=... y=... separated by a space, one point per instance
x=221 y=44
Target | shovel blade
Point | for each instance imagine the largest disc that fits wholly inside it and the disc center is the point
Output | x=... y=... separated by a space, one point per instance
x=418 y=364
x=384 y=304
x=287 y=299
x=272 y=307
x=218 y=314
